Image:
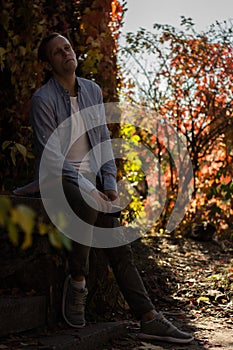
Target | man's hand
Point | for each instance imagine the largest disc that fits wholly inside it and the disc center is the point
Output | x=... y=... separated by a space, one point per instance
x=111 y=194
x=113 y=197
x=102 y=201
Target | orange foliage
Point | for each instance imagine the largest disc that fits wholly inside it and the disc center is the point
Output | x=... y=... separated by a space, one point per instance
x=193 y=93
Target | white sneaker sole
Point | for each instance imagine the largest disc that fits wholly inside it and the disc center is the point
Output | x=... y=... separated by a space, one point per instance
x=167 y=339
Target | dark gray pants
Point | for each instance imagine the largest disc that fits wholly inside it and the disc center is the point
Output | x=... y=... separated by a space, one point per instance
x=120 y=258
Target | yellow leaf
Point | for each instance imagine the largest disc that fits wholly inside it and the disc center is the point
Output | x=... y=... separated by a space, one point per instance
x=203 y=299
x=27 y=241
x=60 y=219
x=24 y=217
x=43 y=228
x=13 y=233
x=62 y=222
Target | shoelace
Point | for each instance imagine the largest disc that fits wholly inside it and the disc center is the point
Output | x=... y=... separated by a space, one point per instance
x=79 y=297
x=164 y=321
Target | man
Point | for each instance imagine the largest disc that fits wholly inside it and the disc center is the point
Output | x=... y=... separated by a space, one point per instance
x=63 y=95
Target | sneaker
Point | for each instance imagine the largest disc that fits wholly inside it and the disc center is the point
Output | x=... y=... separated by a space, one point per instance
x=161 y=329
x=73 y=304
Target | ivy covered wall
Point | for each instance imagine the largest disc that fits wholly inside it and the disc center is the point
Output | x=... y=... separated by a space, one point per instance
x=93 y=28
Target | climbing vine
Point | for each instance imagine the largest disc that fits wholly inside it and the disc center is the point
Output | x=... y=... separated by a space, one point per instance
x=92 y=26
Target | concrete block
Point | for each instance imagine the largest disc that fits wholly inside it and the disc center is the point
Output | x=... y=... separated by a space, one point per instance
x=19 y=314
x=92 y=337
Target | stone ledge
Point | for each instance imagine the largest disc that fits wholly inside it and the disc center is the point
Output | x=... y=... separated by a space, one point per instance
x=18 y=314
x=42 y=268
x=92 y=337
x=34 y=203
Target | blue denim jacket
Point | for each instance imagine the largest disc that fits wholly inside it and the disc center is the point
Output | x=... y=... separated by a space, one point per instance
x=50 y=107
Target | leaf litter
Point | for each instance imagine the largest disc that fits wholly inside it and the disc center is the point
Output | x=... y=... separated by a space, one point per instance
x=191 y=282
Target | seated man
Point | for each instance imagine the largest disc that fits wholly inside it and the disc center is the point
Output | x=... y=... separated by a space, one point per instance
x=63 y=95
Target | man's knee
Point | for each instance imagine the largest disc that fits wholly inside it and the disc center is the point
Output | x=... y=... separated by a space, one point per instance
x=84 y=208
x=121 y=255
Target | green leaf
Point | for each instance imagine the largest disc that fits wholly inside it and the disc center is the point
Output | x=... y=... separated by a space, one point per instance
x=54 y=239
x=13 y=158
x=66 y=242
x=30 y=155
x=60 y=219
x=6 y=144
x=22 y=149
x=5 y=207
x=2 y=56
x=22 y=50
x=5 y=19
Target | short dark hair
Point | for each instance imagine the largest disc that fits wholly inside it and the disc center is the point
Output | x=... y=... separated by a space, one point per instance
x=42 y=50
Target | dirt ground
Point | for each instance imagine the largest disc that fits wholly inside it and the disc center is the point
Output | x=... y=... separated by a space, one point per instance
x=192 y=283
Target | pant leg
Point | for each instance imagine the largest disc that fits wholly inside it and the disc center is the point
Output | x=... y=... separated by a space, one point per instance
x=78 y=257
x=126 y=272
x=78 y=260
x=129 y=279
x=120 y=258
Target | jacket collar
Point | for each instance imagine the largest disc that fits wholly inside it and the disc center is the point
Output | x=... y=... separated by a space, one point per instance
x=61 y=89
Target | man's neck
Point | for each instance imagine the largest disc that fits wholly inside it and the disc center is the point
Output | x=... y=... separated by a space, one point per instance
x=69 y=83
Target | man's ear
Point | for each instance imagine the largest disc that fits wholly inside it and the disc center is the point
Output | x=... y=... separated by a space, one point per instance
x=47 y=66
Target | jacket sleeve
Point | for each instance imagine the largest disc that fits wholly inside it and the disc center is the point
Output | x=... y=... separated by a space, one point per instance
x=47 y=142
x=108 y=169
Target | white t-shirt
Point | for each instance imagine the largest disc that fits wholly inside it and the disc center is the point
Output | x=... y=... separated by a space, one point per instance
x=78 y=152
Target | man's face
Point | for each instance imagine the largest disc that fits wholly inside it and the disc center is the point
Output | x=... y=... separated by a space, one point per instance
x=61 y=56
